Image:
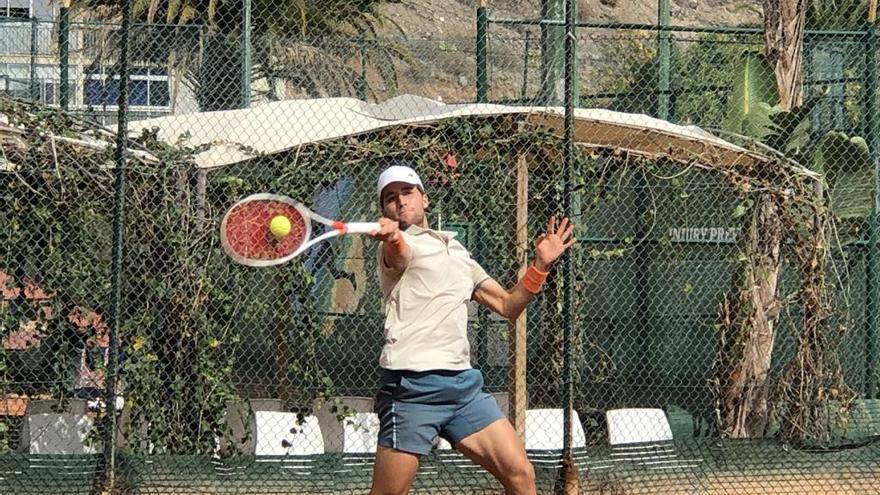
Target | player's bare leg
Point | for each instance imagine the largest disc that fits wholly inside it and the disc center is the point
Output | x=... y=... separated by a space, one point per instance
x=498 y=449
x=393 y=471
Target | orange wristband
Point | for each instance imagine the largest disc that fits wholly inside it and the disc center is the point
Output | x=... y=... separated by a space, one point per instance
x=533 y=279
x=396 y=246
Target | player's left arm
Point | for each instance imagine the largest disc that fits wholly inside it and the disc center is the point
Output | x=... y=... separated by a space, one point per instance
x=509 y=303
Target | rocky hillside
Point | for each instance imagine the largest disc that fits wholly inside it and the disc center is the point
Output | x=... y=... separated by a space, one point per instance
x=440 y=34
x=438 y=17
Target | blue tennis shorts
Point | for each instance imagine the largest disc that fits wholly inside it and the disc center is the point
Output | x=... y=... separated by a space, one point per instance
x=416 y=407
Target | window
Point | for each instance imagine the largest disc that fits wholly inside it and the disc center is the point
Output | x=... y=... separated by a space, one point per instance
x=147 y=87
x=18 y=34
x=17 y=13
x=15 y=81
x=16 y=9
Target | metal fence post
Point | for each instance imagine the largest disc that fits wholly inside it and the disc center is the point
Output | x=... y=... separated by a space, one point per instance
x=246 y=55
x=570 y=474
x=64 y=54
x=362 y=87
x=552 y=52
x=482 y=51
x=872 y=131
x=118 y=245
x=664 y=54
x=524 y=90
x=33 y=89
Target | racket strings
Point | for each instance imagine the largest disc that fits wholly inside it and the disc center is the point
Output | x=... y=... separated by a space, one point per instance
x=248 y=234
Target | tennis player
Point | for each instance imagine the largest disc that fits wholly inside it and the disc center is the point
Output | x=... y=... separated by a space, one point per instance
x=428 y=388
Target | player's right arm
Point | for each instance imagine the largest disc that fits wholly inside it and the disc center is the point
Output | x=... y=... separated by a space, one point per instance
x=395 y=252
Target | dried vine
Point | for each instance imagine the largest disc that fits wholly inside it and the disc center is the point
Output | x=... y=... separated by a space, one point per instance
x=787 y=225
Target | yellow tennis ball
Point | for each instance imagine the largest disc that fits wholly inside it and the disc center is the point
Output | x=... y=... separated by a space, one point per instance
x=279 y=226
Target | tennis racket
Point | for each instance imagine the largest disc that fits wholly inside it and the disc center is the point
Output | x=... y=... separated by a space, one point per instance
x=247 y=237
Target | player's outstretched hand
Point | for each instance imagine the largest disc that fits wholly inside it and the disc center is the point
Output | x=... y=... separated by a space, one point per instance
x=388 y=230
x=550 y=245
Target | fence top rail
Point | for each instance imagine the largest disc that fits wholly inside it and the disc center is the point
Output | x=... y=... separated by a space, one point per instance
x=110 y=24
x=500 y=21
x=656 y=27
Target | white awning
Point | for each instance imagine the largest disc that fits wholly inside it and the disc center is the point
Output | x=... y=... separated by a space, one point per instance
x=237 y=135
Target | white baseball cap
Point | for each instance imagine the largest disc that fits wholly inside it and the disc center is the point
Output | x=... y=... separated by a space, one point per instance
x=398 y=173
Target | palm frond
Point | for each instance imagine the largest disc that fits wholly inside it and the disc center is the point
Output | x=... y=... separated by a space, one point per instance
x=172 y=10
x=324 y=46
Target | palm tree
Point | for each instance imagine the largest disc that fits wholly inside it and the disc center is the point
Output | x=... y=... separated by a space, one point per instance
x=743 y=394
x=784 y=25
x=319 y=47
x=324 y=47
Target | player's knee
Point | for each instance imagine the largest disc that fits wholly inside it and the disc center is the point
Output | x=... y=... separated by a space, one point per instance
x=521 y=474
x=375 y=491
x=389 y=490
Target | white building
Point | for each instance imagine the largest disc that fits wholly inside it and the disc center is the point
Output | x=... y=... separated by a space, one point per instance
x=30 y=66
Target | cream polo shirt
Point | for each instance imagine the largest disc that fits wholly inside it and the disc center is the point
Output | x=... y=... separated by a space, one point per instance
x=426 y=304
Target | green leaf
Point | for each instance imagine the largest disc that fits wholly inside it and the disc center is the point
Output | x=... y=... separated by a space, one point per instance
x=758 y=123
x=791 y=129
x=849 y=174
x=754 y=95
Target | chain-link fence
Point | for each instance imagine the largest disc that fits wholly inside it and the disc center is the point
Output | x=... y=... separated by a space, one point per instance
x=715 y=329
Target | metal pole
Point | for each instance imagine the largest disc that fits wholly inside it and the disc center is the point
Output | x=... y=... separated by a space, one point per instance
x=552 y=52
x=64 y=54
x=246 y=56
x=820 y=34
x=201 y=197
x=570 y=475
x=527 y=42
x=872 y=133
x=33 y=89
x=663 y=52
x=362 y=86
x=118 y=244
x=482 y=51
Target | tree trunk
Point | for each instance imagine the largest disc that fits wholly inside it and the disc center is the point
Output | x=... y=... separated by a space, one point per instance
x=749 y=315
x=784 y=22
x=748 y=324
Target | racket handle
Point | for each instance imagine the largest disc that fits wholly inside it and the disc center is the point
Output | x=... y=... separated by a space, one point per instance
x=361 y=227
